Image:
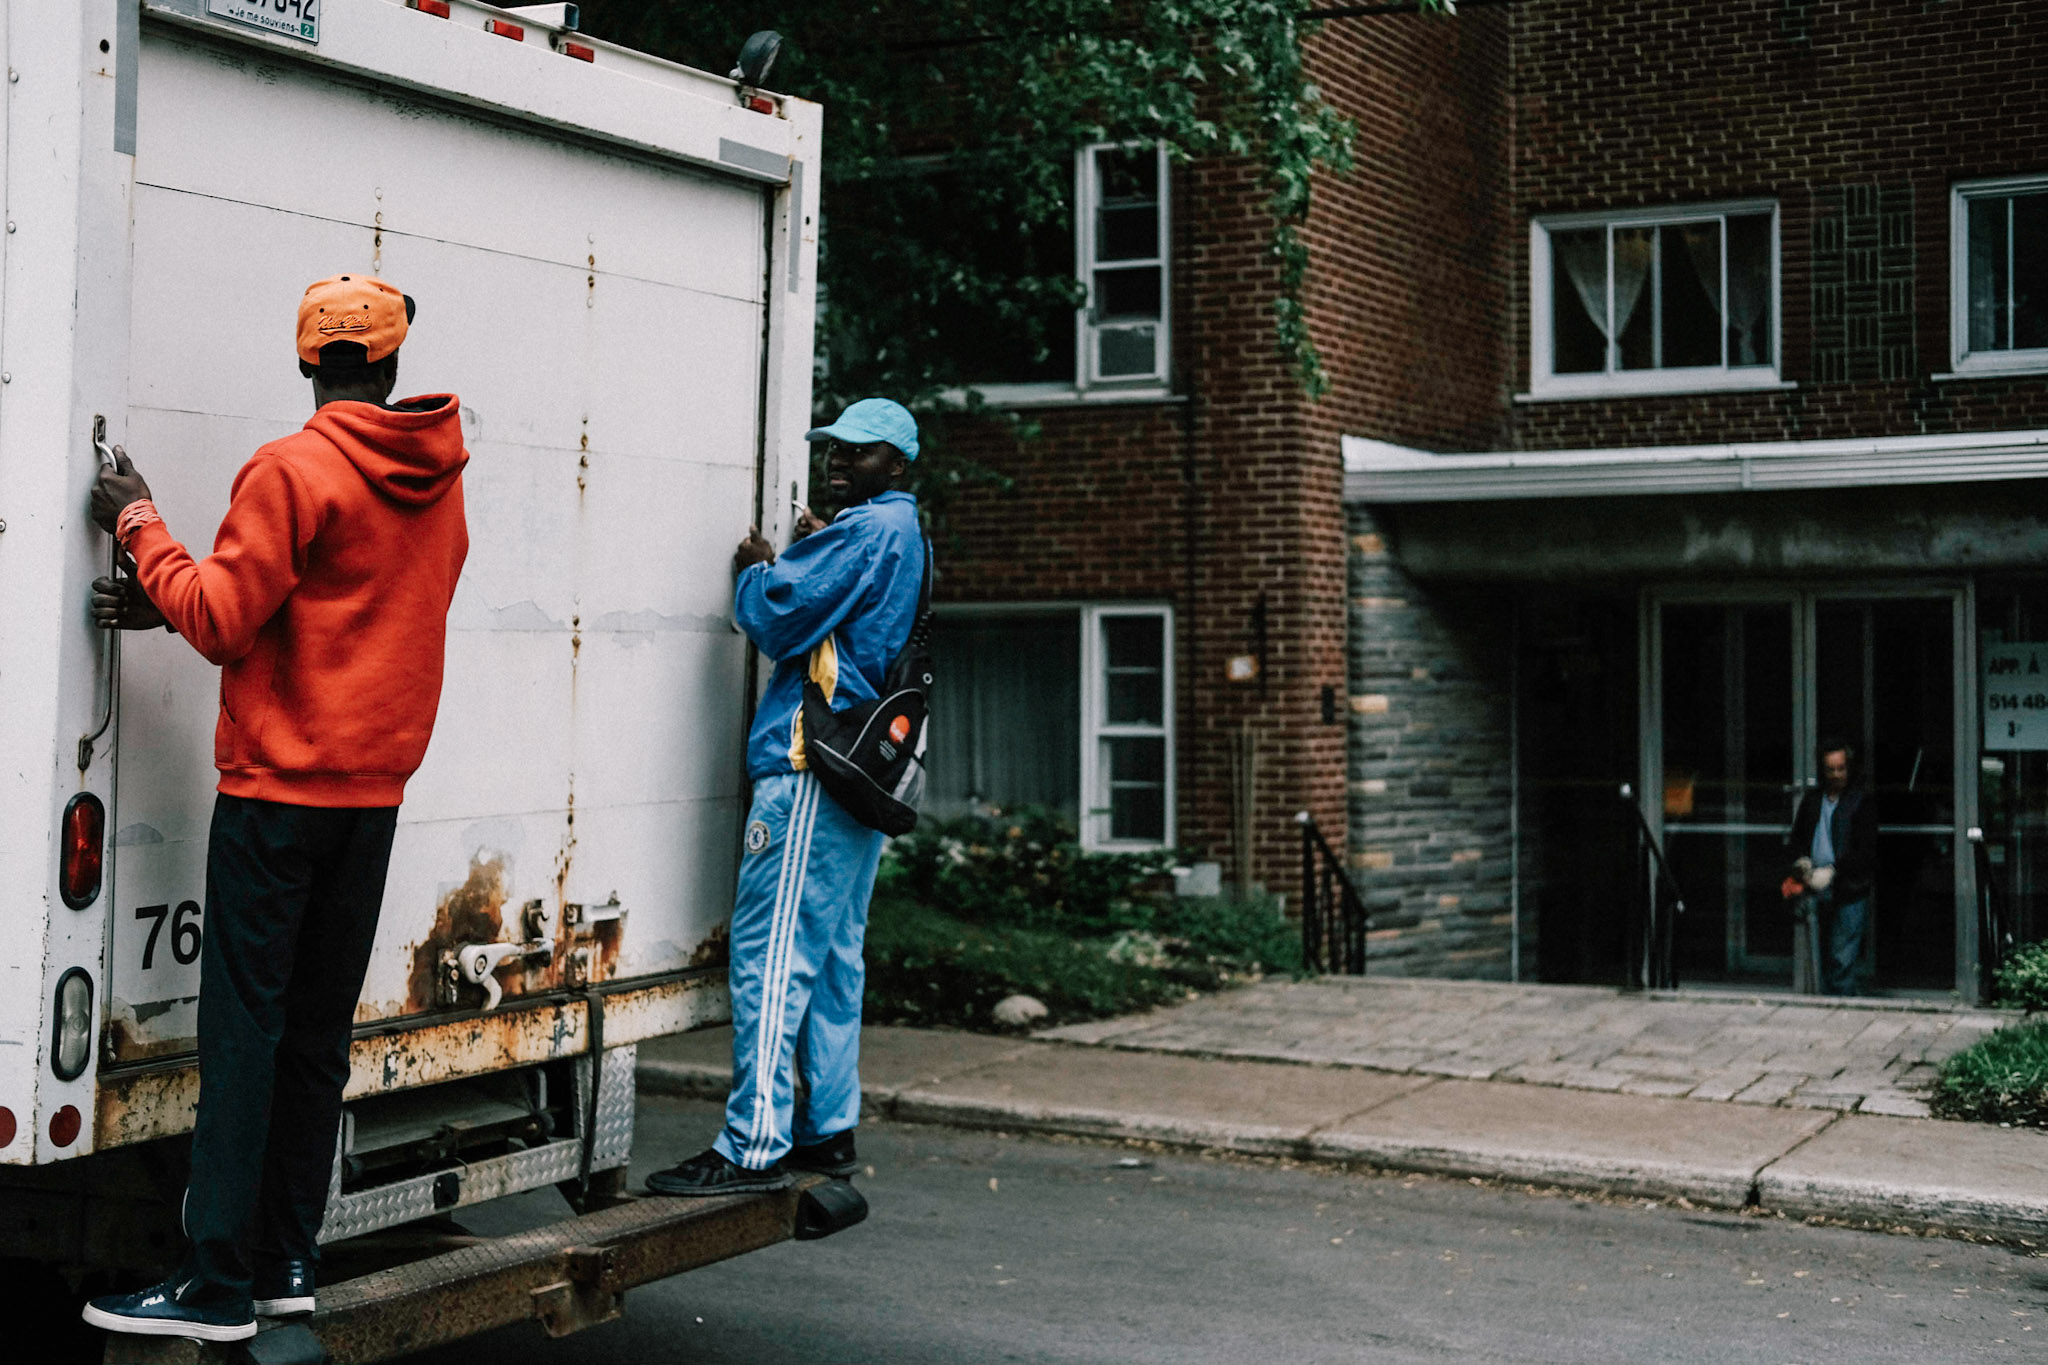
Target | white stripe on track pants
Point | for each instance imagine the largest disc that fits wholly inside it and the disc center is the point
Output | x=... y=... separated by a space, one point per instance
x=806 y=874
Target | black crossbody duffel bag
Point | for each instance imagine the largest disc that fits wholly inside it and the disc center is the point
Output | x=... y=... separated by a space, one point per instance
x=870 y=757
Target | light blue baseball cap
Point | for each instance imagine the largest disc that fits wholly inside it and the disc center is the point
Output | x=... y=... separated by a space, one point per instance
x=872 y=419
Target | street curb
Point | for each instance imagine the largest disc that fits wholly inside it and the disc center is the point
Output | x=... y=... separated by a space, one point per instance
x=1889 y=1205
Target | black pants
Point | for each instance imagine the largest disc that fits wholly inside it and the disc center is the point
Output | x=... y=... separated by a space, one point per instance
x=292 y=894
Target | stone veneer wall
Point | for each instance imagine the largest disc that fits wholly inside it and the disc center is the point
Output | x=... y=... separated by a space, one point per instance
x=1430 y=767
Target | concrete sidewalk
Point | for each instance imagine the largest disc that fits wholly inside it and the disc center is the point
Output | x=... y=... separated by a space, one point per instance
x=1810 y=1052
x=1799 y=1159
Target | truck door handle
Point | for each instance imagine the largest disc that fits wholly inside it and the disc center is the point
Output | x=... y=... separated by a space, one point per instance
x=479 y=963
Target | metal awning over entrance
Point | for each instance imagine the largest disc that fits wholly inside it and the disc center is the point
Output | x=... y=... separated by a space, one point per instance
x=1380 y=472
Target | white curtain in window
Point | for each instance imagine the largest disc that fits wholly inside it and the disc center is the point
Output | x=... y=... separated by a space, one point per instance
x=1584 y=256
x=1632 y=252
x=1747 y=288
x=1585 y=260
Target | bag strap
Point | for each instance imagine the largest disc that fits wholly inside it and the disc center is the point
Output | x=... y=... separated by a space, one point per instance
x=921 y=625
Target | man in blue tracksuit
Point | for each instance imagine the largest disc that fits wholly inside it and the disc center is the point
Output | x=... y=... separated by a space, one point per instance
x=837 y=608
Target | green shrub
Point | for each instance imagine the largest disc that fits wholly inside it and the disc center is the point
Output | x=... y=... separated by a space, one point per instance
x=927 y=967
x=1247 y=935
x=2001 y=1078
x=1026 y=870
x=968 y=911
x=2022 y=982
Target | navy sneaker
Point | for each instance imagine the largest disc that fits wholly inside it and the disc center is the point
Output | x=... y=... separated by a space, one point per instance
x=831 y=1156
x=709 y=1172
x=169 y=1310
x=284 y=1289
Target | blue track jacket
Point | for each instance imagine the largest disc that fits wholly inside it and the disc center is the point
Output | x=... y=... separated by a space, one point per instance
x=838 y=607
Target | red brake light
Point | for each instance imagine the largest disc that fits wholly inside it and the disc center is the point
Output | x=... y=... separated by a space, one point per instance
x=578 y=51
x=437 y=8
x=64 y=1126
x=506 y=30
x=7 y=1128
x=84 y=834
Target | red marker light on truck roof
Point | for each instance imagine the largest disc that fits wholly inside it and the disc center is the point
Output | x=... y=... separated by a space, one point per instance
x=505 y=30
x=578 y=51
x=83 y=835
x=437 y=8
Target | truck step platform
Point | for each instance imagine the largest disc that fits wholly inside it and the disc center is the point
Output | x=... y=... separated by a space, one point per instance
x=566 y=1276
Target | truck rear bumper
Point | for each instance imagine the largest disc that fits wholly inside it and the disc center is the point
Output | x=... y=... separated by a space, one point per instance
x=566 y=1276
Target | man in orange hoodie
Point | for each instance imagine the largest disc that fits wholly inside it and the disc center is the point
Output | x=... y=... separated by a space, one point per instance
x=325 y=602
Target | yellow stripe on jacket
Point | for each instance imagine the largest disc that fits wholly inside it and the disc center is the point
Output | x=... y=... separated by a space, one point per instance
x=825 y=673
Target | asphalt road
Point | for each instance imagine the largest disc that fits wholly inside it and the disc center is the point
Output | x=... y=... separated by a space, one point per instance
x=989 y=1248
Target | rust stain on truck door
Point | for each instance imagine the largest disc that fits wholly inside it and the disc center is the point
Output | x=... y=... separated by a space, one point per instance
x=473 y=912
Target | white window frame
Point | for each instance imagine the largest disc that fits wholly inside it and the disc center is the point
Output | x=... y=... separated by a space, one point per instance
x=1962 y=360
x=1087 y=386
x=1095 y=728
x=1543 y=384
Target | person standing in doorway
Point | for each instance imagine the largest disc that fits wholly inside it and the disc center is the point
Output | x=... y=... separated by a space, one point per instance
x=325 y=603
x=835 y=609
x=1834 y=832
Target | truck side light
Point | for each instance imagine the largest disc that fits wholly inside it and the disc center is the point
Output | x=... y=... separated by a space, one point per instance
x=84 y=832
x=437 y=8
x=761 y=104
x=505 y=30
x=7 y=1127
x=71 y=1048
x=64 y=1126
x=578 y=51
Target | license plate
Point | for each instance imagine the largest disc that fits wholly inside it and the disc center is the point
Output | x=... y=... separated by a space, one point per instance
x=292 y=18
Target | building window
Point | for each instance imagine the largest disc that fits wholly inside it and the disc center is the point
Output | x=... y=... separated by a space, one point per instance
x=1999 y=257
x=1008 y=732
x=1127 y=729
x=1657 y=301
x=1122 y=193
x=1070 y=708
x=1118 y=342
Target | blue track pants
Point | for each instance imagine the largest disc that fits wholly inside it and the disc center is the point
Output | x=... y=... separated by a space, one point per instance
x=797 y=924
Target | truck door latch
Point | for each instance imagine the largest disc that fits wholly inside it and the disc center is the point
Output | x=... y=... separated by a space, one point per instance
x=479 y=962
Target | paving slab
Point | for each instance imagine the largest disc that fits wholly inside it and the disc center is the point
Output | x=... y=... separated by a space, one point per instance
x=699 y=1063
x=1242 y=1106
x=1626 y=1144
x=1902 y=1170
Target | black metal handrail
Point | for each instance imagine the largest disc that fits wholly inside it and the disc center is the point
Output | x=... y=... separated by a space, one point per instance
x=1653 y=933
x=1994 y=931
x=1333 y=918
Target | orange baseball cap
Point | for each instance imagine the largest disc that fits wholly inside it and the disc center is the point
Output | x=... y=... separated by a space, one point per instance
x=358 y=308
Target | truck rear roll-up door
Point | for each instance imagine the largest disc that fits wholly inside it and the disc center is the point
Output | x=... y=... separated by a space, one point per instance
x=602 y=316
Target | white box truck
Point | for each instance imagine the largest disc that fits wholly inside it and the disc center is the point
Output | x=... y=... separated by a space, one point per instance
x=615 y=263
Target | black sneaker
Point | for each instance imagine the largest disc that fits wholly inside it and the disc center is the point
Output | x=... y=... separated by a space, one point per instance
x=159 y=1312
x=832 y=1156
x=709 y=1172
x=284 y=1289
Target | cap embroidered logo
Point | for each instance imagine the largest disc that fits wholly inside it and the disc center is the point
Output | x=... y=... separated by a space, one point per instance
x=899 y=729
x=344 y=322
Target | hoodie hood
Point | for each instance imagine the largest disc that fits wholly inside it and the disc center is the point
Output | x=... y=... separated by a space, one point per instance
x=410 y=452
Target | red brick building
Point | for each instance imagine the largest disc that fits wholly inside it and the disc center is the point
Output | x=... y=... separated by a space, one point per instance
x=1687 y=402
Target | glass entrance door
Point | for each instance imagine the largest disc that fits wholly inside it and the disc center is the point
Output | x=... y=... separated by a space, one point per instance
x=1885 y=682
x=1737 y=694
x=1730 y=767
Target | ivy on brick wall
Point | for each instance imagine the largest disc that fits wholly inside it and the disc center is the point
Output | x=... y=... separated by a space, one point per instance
x=950 y=132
